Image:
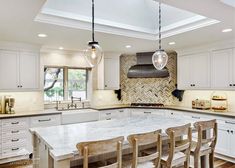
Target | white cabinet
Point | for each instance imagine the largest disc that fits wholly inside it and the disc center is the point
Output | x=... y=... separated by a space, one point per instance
x=29 y=70
x=147 y=112
x=223 y=141
x=19 y=70
x=114 y=114
x=45 y=121
x=226 y=137
x=194 y=71
x=14 y=136
x=109 y=72
x=9 y=70
x=222 y=69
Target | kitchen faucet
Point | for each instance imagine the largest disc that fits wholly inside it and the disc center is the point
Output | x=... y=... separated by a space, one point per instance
x=72 y=102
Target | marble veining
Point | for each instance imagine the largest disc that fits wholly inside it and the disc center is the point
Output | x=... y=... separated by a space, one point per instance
x=63 y=139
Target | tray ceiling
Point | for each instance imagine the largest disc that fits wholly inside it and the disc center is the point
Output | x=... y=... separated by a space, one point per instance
x=132 y=18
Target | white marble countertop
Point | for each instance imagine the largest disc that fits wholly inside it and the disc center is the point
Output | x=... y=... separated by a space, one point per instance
x=30 y=113
x=62 y=139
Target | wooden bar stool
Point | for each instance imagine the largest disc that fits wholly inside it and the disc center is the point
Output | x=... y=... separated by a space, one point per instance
x=180 y=153
x=94 y=148
x=146 y=139
x=206 y=141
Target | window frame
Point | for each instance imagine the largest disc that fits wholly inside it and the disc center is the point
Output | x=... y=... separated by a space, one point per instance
x=65 y=80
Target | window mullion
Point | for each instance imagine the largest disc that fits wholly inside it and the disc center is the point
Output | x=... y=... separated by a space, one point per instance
x=65 y=83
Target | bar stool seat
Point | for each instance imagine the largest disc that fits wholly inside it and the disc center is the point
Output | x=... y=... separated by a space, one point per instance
x=178 y=157
x=205 y=148
x=128 y=164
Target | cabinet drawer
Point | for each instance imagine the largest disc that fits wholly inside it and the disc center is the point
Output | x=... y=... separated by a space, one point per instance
x=14 y=143
x=11 y=152
x=15 y=134
x=108 y=115
x=44 y=121
x=14 y=124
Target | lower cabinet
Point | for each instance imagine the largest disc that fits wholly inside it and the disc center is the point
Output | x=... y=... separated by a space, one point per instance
x=114 y=114
x=147 y=112
x=15 y=139
x=226 y=138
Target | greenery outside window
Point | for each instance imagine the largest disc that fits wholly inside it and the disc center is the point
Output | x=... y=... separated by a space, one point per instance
x=60 y=83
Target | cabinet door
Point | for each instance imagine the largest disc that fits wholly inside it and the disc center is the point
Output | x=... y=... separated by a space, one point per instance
x=232 y=151
x=8 y=70
x=111 y=73
x=184 y=74
x=221 y=69
x=223 y=141
x=29 y=70
x=200 y=70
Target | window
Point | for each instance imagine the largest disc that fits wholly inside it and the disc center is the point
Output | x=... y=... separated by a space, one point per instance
x=53 y=84
x=60 y=83
x=77 y=83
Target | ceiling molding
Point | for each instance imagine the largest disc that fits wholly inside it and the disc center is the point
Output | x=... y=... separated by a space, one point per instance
x=104 y=26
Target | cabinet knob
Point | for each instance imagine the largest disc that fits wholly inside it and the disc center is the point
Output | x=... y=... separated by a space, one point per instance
x=228 y=131
x=233 y=84
x=232 y=131
x=230 y=85
x=105 y=86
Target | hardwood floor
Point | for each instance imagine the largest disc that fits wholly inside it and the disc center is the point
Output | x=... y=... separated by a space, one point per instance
x=28 y=164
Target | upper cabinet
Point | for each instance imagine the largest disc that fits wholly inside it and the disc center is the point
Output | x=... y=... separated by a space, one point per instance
x=109 y=72
x=194 y=71
x=209 y=70
x=222 y=69
x=19 y=71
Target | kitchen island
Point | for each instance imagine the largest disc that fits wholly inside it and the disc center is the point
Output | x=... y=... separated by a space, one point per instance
x=56 y=146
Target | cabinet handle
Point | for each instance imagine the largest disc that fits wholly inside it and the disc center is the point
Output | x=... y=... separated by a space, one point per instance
x=14 y=123
x=44 y=120
x=146 y=112
x=196 y=117
x=108 y=113
x=229 y=122
x=14 y=140
x=233 y=84
x=230 y=85
x=14 y=149
x=108 y=119
x=121 y=111
x=13 y=132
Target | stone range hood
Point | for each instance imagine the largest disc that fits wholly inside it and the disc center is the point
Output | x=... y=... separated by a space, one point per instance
x=145 y=69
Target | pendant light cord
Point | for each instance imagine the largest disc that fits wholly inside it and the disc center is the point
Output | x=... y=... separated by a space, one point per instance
x=93 y=21
x=160 y=27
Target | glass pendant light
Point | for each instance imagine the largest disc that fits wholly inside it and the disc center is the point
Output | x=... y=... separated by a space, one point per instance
x=94 y=52
x=160 y=57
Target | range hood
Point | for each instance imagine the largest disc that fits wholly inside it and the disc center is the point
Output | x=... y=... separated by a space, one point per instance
x=145 y=69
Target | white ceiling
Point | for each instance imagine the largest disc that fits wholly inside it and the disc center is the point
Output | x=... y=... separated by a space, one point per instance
x=19 y=25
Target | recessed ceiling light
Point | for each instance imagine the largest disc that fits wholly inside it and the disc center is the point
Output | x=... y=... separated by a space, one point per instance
x=128 y=46
x=227 y=30
x=61 y=48
x=42 y=35
x=171 y=43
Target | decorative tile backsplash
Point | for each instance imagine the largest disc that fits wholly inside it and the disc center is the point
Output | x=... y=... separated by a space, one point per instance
x=147 y=90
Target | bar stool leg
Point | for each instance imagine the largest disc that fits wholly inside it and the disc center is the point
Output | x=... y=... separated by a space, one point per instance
x=211 y=160
x=196 y=161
